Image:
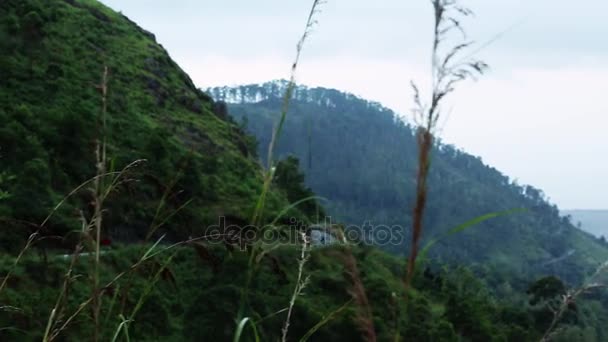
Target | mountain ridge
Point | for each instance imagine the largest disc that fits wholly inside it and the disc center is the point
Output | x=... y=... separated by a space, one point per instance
x=361 y=156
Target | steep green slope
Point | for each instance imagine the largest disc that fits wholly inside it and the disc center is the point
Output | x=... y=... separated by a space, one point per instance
x=52 y=58
x=363 y=159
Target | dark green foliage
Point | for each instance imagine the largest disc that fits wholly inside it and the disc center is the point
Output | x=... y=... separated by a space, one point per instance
x=52 y=56
x=199 y=302
x=545 y=289
x=289 y=178
x=545 y=295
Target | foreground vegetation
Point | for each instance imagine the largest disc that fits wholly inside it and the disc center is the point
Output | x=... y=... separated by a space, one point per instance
x=195 y=297
x=131 y=155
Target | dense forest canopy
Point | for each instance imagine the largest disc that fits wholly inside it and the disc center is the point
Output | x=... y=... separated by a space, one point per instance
x=361 y=156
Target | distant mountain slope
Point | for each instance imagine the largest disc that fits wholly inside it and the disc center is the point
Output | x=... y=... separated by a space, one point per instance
x=52 y=57
x=362 y=158
x=592 y=221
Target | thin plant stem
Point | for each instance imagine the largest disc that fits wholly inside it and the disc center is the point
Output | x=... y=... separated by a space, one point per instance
x=570 y=298
x=299 y=286
x=445 y=74
x=99 y=198
x=257 y=217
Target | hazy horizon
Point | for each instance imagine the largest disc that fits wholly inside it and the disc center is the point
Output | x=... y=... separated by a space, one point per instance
x=537 y=116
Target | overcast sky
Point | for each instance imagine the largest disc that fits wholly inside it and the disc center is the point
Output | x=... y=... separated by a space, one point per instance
x=539 y=115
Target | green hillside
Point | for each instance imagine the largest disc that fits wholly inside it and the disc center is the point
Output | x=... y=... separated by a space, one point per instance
x=362 y=158
x=52 y=58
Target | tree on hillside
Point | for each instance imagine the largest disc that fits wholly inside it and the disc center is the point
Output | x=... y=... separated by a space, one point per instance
x=289 y=178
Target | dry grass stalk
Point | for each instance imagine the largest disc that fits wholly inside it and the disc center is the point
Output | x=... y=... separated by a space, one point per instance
x=364 y=316
x=301 y=283
x=30 y=241
x=91 y=231
x=446 y=72
x=99 y=190
x=569 y=298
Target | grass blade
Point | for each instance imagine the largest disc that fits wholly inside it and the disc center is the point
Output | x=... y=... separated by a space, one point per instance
x=324 y=321
x=293 y=205
x=241 y=326
x=466 y=225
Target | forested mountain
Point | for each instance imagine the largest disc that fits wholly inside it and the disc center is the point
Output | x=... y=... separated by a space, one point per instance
x=362 y=158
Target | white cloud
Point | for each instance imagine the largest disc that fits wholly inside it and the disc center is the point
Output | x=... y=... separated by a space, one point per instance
x=545 y=126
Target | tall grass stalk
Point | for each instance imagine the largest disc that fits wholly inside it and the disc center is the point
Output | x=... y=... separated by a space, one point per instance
x=157 y=222
x=364 y=316
x=149 y=254
x=30 y=241
x=446 y=72
x=126 y=322
x=68 y=279
x=276 y=133
x=241 y=327
x=92 y=232
x=63 y=324
x=257 y=218
x=99 y=190
x=301 y=283
x=122 y=327
x=84 y=232
x=330 y=316
x=35 y=236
